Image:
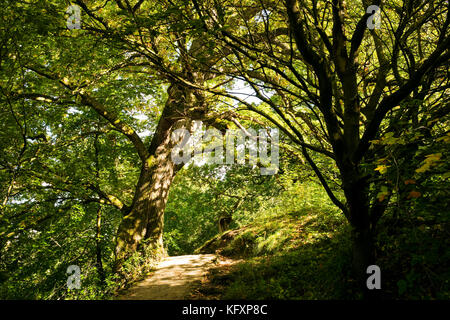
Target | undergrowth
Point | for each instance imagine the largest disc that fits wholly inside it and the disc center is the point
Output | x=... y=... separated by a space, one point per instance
x=303 y=251
x=296 y=248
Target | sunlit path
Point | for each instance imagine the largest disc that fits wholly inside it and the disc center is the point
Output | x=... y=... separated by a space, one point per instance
x=172 y=280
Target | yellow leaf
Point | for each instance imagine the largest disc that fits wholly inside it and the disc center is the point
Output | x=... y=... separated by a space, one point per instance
x=382 y=169
x=433 y=157
x=429 y=161
x=423 y=168
x=445 y=138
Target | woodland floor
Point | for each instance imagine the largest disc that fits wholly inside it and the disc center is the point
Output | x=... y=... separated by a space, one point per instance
x=181 y=277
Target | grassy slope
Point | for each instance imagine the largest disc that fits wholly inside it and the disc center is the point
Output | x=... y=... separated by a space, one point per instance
x=300 y=249
x=292 y=250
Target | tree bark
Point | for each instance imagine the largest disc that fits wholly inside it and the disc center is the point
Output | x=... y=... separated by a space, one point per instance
x=363 y=249
x=98 y=248
x=145 y=220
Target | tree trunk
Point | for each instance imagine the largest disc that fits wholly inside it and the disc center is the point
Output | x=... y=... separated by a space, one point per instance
x=98 y=248
x=355 y=189
x=133 y=228
x=363 y=252
x=145 y=221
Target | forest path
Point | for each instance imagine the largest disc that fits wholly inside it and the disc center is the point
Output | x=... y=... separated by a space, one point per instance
x=173 y=279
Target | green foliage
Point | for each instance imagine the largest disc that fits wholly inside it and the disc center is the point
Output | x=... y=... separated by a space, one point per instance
x=62 y=160
x=35 y=260
x=413 y=237
x=200 y=195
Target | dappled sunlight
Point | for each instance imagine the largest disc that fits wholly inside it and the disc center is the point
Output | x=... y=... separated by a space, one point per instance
x=172 y=279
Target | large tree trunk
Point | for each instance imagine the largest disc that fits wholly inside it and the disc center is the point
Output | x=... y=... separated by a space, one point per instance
x=146 y=218
x=145 y=221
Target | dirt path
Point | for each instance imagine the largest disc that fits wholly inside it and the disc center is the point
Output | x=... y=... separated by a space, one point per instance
x=173 y=279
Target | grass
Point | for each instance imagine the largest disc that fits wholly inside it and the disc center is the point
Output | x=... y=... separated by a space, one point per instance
x=301 y=249
x=292 y=250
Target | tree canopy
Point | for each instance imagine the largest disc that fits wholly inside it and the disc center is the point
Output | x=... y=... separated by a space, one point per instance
x=90 y=95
